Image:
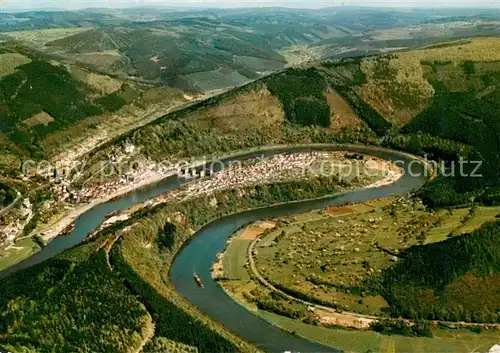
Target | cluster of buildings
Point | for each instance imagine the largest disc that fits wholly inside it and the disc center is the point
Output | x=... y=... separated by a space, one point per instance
x=273 y=169
x=12 y=224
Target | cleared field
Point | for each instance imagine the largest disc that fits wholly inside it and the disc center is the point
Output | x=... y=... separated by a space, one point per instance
x=101 y=83
x=258 y=64
x=236 y=255
x=39 y=119
x=341 y=114
x=257 y=108
x=42 y=36
x=104 y=60
x=454 y=220
x=216 y=79
x=458 y=341
x=10 y=61
x=21 y=250
x=235 y=258
x=480 y=216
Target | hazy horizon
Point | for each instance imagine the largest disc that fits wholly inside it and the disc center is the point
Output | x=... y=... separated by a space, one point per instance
x=29 y=5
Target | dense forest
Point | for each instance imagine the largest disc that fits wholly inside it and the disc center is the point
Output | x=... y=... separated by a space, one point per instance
x=454 y=280
x=70 y=306
x=41 y=98
x=465 y=119
x=302 y=94
x=7 y=195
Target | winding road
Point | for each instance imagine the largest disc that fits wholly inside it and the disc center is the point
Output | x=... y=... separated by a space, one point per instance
x=200 y=252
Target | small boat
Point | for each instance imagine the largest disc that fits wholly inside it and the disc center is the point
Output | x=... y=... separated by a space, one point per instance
x=112 y=214
x=68 y=229
x=198 y=281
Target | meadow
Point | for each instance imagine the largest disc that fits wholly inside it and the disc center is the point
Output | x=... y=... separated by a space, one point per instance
x=330 y=255
x=368 y=242
x=18 y=251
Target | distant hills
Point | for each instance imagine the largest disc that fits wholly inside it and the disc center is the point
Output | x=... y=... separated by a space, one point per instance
x=169 y=46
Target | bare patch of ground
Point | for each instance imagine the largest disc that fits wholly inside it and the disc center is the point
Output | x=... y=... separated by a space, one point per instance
x=256 y=230
x=10 y=61
x=342 y=115
x=338 y=211
x=331 y=318
x=42 y=118
x=254 y=108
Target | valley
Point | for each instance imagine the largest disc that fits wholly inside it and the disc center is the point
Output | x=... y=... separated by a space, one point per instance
x=278 y=163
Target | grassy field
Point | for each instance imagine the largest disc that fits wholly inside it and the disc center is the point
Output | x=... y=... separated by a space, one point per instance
x=481 y=215
x=21 y=250
x=457 y=341
x=258 y=64
x=236 y=253
x=235 y=259
x=321 y=253
x=42 y=36
x=10 y=61
x=216 y=79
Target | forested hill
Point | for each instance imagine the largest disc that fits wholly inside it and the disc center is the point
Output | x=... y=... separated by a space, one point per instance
x=39 y=97
x=455 y=280
x=441 y=101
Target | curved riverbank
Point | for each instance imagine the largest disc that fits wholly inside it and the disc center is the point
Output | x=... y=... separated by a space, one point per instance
x=245 y=324
x=89 y=216
x=201 y=250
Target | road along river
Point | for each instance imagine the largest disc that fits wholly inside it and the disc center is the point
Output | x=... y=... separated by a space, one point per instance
x=200 y=252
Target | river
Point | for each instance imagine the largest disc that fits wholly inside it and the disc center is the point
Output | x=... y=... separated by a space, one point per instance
x=200 y=252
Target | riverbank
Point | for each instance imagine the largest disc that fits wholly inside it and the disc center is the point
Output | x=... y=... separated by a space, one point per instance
x=139 y=248
x=45 y=235
x=240 y=276
x=272 y=170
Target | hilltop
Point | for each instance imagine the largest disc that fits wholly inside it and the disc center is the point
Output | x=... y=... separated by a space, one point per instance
x=440 y=100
